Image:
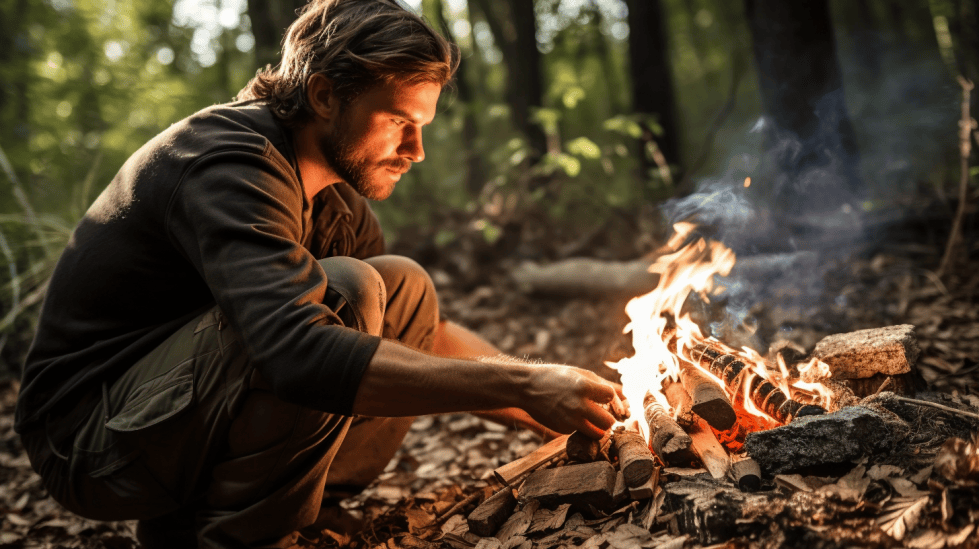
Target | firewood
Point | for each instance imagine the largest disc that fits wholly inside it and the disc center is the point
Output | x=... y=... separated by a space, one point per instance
x=746 y=473
x=580 y=485
x=621 y=492
x=487 y=518
x=670 y=442
x=711 y=453
x=891 y=351
x=648 y=488
x=583 y=449
x=710 y=401
x=516 y=470
x=680 y=402
x=711 y=512
x=635 y=459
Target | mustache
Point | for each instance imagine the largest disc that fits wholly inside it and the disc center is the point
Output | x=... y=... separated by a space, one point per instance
x=400 y=164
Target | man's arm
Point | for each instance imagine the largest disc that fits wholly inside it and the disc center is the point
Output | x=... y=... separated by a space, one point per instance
x=400 y=381
x=455 y=341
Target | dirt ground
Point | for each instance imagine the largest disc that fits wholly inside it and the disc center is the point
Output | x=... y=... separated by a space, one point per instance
x=446 y=458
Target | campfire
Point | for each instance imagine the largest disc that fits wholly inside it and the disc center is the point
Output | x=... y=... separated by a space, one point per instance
x=712 y=427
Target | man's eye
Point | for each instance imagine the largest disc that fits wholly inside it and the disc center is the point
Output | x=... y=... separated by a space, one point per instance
x=399 y=121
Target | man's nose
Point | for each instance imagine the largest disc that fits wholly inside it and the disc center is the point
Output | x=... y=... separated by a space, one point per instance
x=411 y=144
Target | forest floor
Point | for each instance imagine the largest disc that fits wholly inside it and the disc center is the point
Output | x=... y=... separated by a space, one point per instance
x=446 y=458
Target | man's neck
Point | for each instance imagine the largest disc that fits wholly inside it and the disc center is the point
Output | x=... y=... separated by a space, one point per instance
x=315 y=172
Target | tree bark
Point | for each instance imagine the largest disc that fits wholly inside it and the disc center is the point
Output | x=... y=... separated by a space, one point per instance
x=652 y=78
x=269 y=21
x=514 y=27
x=810 y=143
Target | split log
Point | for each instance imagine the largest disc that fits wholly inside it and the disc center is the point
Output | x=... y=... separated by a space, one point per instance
x=670 y=442
x=680 y=402
x=746 y=473
x=711 y=453
x=647 y=490
x=516 y=470
x=580 y=485
x=487 y=518
x=635 y=459
x=710 y=401
x=709 y=511
x=584 y=449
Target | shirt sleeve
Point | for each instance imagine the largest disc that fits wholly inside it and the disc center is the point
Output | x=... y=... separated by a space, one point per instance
x=238 y=218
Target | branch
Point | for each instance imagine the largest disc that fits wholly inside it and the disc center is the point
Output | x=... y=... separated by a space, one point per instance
x=966 y=125
x=936 y=406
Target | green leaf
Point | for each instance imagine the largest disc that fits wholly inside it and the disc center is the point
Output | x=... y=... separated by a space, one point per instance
x=585 y=148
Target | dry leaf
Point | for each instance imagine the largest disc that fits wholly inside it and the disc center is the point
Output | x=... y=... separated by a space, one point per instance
x=901 y=516
x=673 y=543
x=906 y=488
x=629 y=536
x=793 y=483
x=489 y=543
x=928 y=539
x=455 y=525
x=418 y=519
x=850 y=487
x=547 y=519
x=879 y=472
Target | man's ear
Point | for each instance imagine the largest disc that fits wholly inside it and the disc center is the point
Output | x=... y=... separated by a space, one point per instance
x=321 y=99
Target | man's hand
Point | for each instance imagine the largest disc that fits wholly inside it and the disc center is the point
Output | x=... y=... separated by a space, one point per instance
x=566 y=399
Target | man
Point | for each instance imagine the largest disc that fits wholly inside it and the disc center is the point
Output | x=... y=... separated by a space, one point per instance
x=223 y=347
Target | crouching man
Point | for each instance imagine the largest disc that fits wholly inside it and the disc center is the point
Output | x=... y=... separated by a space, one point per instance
x=224 y=346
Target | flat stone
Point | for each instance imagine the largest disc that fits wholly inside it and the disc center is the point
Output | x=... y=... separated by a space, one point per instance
x=890 y=351
x=824 y=440
x=580 y=485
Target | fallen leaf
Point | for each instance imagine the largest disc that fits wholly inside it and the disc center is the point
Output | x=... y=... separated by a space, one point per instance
x=850 y=487
x=901 y=516
x=629 y=536
x=928 y=539
x=879 y=472
x=793 y=483
x=489 y=543
x=906 y=488
x=455 y=525
x=547 y=519
x=418 y=519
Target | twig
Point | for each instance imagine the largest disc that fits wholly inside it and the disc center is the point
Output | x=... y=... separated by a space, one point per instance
x=937 y=406
x=883 y=385
x=966 y=125
x=439 y=519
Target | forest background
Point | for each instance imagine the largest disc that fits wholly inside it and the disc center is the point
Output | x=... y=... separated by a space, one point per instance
x=569 y=118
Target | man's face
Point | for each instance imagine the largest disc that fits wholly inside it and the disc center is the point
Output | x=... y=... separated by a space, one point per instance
x=379 y=134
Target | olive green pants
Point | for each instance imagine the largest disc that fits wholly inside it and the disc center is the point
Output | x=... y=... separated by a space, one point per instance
x=191 y=439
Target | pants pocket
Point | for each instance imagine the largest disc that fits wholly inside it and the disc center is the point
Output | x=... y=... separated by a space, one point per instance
x=156 y=400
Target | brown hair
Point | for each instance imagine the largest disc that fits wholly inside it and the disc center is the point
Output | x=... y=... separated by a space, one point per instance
x=356 y=44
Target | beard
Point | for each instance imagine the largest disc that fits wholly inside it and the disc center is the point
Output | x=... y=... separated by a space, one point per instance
x=358 y=172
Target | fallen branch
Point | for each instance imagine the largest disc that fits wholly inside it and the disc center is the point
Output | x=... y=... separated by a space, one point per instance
x=451 y=511
x=944 y=408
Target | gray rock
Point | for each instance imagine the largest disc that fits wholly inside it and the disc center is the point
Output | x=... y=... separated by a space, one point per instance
x=810 y=441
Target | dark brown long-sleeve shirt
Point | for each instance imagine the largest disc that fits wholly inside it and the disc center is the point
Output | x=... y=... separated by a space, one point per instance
x=211 y=211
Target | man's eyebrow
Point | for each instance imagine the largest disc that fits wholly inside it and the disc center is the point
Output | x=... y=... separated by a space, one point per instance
x=403 y=114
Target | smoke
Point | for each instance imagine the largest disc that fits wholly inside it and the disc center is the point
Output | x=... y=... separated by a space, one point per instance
x=802 y=218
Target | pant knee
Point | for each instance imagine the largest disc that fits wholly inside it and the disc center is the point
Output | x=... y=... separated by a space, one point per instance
x=411 y=311
x=356 y=293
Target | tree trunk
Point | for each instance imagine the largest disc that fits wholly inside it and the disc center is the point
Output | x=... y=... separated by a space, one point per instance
x=810 y=142
x=965 y=28
x=514 y=27
x=652 y=79
x=269 y=21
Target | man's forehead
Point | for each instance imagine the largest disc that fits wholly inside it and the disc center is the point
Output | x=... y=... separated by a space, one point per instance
x=415 y=101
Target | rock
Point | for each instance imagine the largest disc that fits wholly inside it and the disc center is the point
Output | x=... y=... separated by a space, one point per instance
x=824 y=440
x=856 y=355
x=580 y=485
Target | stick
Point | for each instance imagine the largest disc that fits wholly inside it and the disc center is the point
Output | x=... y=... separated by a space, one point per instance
x=710 y=452
x=966 y=124
x=458 y=507
x=936 y=406
x=512 y=472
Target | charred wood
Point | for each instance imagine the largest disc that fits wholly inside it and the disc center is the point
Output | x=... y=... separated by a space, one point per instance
x=710 y=401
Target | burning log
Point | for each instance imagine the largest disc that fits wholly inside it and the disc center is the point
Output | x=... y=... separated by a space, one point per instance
x=670 y=442
x=709 y=399
x=765 y=395
x=635 y=459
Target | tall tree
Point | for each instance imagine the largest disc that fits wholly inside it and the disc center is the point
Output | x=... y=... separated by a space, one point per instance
x=652 y=78
x=809 y=137
x=269 y=21
x=514 y=27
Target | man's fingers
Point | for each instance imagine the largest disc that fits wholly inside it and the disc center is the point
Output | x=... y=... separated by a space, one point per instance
x=599 y=417
x=591 y=431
